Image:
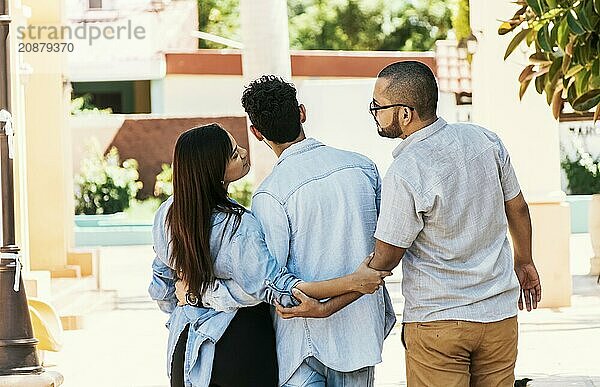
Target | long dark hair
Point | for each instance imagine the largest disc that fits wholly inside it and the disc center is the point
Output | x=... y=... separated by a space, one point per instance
x=199 y=163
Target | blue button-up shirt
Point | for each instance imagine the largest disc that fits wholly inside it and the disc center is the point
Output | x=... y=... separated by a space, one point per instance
x=318 y=209
x=443 y=200
x=247 y=274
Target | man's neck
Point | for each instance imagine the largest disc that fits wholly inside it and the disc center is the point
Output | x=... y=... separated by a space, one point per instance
x=279 y=148
x=422 y=125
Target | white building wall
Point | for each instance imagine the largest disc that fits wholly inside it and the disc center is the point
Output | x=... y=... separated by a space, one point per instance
x=526 y=127
x=337 y=108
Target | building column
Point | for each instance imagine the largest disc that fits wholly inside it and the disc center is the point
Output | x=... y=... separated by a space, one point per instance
x=46 y=186
x=266 y=51
x=530 y=134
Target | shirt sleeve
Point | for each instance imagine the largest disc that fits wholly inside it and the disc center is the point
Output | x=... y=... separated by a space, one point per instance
x=274 y=222
x=401 y=216
x=257 y=272
x=508 y=177
x=227 y=296
x=162 y=284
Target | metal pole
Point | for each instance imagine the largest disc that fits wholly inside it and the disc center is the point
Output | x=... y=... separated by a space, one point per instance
x=18 y=353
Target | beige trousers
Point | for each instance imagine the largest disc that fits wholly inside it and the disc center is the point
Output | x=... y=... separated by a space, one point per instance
x=460 y=353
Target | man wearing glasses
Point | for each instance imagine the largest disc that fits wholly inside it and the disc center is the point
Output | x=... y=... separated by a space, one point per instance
x=447 y=201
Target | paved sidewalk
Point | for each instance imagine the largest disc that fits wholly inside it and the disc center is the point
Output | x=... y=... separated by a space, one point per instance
x=125 y=347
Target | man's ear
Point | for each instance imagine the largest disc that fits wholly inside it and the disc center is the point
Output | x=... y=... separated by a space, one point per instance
x=302 y=113
x=256 y=133
x=408 y=116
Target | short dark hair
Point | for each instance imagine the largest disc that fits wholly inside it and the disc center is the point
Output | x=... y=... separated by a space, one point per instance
x=273 y=108
x=415 y=83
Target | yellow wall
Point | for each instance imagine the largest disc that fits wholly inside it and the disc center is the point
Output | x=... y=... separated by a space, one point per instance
x=47 y=151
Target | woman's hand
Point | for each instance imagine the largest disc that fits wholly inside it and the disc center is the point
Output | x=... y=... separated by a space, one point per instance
x=181 y=288
x=366 y=280
x=308 y=308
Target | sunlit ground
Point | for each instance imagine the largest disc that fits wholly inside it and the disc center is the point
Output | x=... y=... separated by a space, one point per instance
x=125 y=346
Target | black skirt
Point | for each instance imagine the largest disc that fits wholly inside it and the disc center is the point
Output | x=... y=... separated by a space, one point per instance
x=245 y=356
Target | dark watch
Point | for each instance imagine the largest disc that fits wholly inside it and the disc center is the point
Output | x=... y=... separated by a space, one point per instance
x=192 y=299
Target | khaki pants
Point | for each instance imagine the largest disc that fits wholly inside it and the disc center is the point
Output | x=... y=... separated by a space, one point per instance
x=461 y=353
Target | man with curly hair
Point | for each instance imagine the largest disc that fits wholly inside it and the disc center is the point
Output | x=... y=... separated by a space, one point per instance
x=319 y=210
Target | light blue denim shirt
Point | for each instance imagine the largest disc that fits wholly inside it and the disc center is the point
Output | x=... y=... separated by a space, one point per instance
x=443 y=200
x=247 y=274
x=318 y=209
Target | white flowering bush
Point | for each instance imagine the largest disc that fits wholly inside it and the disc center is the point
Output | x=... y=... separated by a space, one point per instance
x=583 y=172
x=104 y=185
x=163 y=188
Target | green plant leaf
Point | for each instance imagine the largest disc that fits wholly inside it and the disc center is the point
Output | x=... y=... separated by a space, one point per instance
x=573 y=70
x=574 y=24
x=540 y=81
x=571 y=93
x=543 y=38
x=581 y=81
x=596 y=67
x=549 y=88
x=597 y=6
x=535 y=6
x=582 y=15
x=554 y=68
x=514 y=43
x=587 y=101
x=563 y=33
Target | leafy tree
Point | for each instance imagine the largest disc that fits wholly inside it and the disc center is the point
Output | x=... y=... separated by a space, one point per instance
x=219 y=17
x=566 y=63
x=342 y=24
x=367 y=24
x=462 y=21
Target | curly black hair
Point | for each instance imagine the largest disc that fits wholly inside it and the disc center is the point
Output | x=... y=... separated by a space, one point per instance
x=272 y=107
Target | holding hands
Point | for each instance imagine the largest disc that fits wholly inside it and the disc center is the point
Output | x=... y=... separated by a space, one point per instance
x=367 y=280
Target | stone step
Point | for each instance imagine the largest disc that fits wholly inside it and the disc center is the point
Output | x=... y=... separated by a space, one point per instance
x=74 y=298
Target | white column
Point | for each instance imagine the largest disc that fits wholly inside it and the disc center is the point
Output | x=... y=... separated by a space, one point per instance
x=531 y=135
x=266 y=51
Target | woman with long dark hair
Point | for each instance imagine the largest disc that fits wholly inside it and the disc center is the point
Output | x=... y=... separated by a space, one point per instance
x=216 y=248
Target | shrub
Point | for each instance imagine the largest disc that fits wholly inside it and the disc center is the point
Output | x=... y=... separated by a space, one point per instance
x=583 y=173
x=104 y=186
x=241 y=190
x=163 y=188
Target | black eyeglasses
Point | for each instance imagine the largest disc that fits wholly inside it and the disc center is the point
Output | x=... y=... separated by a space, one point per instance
x=373 y=107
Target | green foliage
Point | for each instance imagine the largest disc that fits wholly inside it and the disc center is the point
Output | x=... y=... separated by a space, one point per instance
x=84 y=105
x=219 y=17
x=342 y=24
x=163 y=188
x=241 y=190
x=461 y=21
x=104 y=186
x=367 y=25
x=583 y=174
x=142 y=211
x=566 y=62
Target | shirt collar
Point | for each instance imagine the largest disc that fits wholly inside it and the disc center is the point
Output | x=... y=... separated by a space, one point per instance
x=419 y=135
x=299 y=147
